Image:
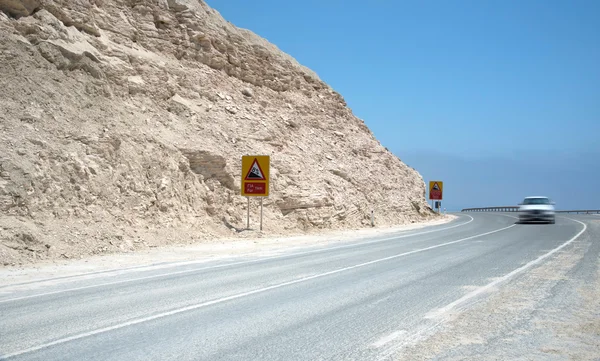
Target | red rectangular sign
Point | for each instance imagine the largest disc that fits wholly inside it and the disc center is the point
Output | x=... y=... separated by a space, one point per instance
x=435 y=195
x=255 y=188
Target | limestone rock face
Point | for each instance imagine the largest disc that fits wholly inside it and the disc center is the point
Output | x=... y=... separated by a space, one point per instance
x=123 y=123
x=17 y=8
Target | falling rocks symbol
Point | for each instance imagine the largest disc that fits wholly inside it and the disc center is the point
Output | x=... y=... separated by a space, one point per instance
x=255 y=172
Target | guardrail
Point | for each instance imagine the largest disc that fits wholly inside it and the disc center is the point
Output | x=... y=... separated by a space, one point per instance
x=492 y=209
x=515 y=209
x=585 y=211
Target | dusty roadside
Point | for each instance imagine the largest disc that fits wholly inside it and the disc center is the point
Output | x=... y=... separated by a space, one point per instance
x=218 y=248
x=551 y=312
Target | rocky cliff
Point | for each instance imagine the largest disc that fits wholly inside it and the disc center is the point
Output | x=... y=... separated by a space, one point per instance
x=123 y=123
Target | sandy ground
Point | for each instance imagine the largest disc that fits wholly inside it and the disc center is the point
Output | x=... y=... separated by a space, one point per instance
x=203 y=252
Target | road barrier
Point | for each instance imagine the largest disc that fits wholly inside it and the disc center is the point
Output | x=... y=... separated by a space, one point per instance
x=516 y=208
x=492 y=209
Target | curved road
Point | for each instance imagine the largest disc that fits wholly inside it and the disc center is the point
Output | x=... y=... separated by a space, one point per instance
x=361 y=300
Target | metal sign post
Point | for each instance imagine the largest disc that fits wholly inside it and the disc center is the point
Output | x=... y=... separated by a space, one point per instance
x=248 y=215
x=261 y=212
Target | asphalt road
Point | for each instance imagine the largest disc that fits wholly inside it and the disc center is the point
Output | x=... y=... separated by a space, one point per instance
x=354 y=301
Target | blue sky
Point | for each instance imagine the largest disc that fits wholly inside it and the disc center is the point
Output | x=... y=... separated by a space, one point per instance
x=500 y=99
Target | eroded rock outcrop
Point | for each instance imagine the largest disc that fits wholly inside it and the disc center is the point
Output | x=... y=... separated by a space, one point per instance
x=123 y=124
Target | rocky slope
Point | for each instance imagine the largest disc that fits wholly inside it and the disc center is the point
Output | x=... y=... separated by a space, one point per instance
x=123 y=123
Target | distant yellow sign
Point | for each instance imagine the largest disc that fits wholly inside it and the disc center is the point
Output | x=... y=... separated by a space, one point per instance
x=436 y=189
x=255 y=175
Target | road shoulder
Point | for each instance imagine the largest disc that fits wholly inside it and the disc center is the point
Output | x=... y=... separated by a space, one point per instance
x=551 y=312
x=219 y=249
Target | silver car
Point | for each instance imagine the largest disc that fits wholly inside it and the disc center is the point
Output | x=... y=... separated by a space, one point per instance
x=537 y=209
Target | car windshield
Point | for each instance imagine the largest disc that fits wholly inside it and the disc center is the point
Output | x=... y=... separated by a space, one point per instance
x=536 y=201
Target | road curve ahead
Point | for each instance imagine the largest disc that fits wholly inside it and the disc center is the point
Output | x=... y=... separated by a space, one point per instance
x=364 y=300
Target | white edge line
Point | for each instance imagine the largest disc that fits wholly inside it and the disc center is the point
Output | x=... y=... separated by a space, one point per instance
x=389 y=338
x=233 y=297
x=227 y=265
x=411 y=338
x=439 y=312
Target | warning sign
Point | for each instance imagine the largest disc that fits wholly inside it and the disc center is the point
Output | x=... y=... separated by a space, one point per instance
x=255 y=175
x=435 y=190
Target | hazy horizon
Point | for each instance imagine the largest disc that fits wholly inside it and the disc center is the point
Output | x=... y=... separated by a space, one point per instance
x=504 y=181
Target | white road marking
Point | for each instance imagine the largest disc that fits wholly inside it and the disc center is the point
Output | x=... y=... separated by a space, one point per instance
x=413 y=338
x=236 y=296
x=441 y=311
x=389 y=338
x=226 y=265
